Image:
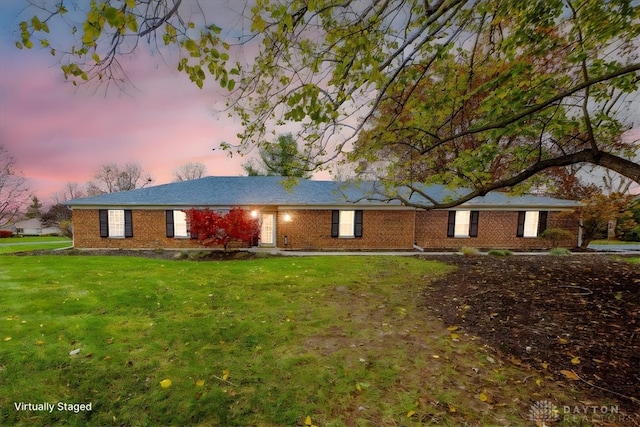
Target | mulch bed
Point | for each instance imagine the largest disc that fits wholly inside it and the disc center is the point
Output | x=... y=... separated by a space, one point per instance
x=579 y=313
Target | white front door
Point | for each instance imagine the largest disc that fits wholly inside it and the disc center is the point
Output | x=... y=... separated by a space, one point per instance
x=268 y=230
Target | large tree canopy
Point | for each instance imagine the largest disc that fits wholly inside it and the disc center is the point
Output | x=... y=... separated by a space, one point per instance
x=280 y=158
x=484 y=94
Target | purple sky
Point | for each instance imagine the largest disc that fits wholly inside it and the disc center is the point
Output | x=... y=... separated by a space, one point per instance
x=59 y=133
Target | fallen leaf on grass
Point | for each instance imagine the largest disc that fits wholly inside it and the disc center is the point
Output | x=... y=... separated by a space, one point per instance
x=7 y=339
x=307 y=422
x=74 y=352
x=362 y=386
x=570 y=375
x=225 y=374
x=452 y=408
x=575 y=360
x=452 y=328
x=411 y=414
x=483 y=397
x=200 y=383
x=39 y=342
x=165 y=383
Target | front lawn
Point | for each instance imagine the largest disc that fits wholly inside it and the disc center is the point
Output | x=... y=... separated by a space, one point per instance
x=328 y=341
x=27 y=244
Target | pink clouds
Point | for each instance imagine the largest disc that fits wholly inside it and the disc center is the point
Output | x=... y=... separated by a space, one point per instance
x=59 y=133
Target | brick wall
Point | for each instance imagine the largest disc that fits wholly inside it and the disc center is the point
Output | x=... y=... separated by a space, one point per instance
x=149 y=232
x=311 y=229
x=496 y=229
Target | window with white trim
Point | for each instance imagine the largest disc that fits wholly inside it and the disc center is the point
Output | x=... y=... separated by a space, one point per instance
x=346 y=223
x=463 y=224
x=180 y=224
x=531 y=219
x=116 y=223
x=531 y=223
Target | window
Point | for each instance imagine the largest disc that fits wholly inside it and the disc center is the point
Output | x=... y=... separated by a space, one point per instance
x=115 y=223
x=463 y=224
x=176 y=223
x=346 y=224
x=531 y=223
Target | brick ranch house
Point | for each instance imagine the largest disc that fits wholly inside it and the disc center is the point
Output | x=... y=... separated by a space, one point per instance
x=316 y=215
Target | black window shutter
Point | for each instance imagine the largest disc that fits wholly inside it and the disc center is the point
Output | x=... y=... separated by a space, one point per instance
x=542 y=221
x=520 y=230
x=357 y=226
x=104 y=222
x=473 y=224
x=335 y=223
x=170 y=229
x=451 y=226
x=128 y=224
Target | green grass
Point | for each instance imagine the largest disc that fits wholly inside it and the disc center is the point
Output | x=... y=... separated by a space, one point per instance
x=346 y=341
x=27 y=244
x=613 y=242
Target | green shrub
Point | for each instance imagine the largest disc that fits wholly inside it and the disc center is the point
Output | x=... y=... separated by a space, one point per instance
x=500 y=252
x=556 y=235
x=470 y=252
x=559 y=252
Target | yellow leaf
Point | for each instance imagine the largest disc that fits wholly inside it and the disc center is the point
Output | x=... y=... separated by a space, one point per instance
x=39 y=342
x=307 y=421
x=570 y=375
x=452 y=408
x=435 y=356
x=411 y=414
x=225 y=374
x=562 y=341
x=7 y=338
x=538 y=382
x=165 y=383
x=452 y=328
x=200 y=383
x=575 y=360
x=483 y=397
x=454 y=336
x=545 y=365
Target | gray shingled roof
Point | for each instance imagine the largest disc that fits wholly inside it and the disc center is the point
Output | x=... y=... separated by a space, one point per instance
x=269 y=191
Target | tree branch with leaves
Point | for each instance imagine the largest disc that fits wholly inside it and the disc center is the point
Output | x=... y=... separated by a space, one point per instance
x=486 y=95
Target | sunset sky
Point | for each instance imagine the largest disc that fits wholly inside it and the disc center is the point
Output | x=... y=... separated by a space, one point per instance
x=59 y=133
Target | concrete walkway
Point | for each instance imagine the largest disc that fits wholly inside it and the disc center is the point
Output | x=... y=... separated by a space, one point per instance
x=277 y=251
x=630 y=247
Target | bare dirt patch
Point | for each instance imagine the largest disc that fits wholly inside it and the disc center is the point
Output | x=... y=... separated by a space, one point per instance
x=577 y=314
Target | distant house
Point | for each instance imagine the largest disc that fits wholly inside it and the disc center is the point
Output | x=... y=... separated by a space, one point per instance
x=34 y=227
x=316 y=215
